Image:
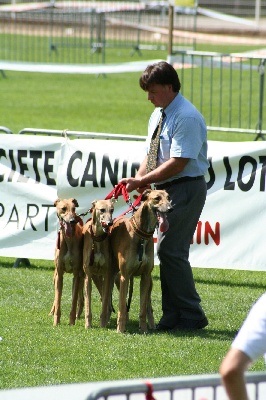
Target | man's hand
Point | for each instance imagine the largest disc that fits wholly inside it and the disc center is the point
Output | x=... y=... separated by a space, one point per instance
x=133 y=184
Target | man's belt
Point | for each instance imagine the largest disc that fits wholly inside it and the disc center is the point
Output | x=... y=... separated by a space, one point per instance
x=179 y=180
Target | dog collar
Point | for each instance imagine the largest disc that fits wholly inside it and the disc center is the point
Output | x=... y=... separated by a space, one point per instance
x=96 y=238
x=138 y=231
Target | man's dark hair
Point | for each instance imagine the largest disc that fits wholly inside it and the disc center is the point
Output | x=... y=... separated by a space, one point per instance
x=161 y=73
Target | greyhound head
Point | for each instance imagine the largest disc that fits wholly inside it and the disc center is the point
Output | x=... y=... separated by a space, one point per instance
x=66 y=212
x=102 y=214
x=160 y=203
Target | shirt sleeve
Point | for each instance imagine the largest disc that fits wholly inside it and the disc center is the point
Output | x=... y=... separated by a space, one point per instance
x=251 y=339
x=187 y=138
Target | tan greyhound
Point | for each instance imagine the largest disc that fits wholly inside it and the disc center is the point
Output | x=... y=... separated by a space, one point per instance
x=97 y=259
x=133 y=249
x=68 y=258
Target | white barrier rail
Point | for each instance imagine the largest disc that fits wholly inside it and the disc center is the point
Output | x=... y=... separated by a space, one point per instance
x=5 y=129
x=188 y=387
x=197 y=387
x=96 y=69
x=80 y=134
x=96 y=135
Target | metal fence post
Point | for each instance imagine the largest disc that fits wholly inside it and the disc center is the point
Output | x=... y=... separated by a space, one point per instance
x=52 y=46
x=261 y=70
x=170 y=29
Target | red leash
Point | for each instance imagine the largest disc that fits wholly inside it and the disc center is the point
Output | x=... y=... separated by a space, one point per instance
x=119 y=190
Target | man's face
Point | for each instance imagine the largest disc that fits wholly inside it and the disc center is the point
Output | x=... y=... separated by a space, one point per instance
x=160 y=95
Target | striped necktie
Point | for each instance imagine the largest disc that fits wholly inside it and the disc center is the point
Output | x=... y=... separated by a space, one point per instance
x=154 y=146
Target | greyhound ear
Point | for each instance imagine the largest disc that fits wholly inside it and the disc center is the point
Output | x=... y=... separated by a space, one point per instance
x=56 y=202
x=145 y=194
x=75 y=202
x=93 y=206
x=92 y=210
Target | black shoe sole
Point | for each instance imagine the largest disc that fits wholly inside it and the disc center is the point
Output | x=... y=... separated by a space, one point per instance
x=190 y=325
x=162 y=328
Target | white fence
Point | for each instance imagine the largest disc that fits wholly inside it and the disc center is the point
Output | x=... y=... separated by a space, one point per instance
x=188 y=387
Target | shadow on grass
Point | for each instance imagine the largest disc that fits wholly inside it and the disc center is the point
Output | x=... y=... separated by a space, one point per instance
x=132 y=328
x=221 y=282
x=210 y=334
x=26 y=263
x=224 y=282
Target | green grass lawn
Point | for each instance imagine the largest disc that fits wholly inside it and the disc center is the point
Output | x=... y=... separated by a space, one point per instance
x=33 y=352
x=111 y=104
x=114 y=103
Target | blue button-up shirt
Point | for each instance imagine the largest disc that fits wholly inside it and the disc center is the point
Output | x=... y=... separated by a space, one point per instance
x=183 y=134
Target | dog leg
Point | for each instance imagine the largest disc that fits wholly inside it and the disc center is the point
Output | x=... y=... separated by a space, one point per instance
x=87 y=248
x=150 y=316
x=58 y=296
x=75 y=293
x=87 y=293
x=110 y=303
x=107 y=306
x=122 y=312
x=145 y=284
x=80 y=305
x=53 y=306
x=98 y=281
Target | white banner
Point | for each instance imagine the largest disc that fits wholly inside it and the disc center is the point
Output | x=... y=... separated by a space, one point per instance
x=231 y=230
x=35 y=170
x=28 y=176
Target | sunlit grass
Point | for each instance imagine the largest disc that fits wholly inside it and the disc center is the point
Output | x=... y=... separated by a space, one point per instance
x=34 y=353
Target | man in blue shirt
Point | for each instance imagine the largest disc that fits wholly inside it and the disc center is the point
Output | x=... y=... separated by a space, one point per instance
x=180 y=168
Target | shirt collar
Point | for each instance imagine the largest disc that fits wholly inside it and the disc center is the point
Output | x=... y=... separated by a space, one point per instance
x=174 y=103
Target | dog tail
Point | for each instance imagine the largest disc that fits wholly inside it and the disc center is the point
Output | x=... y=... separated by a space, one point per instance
x=130 y=293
